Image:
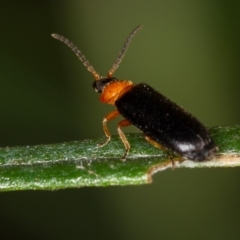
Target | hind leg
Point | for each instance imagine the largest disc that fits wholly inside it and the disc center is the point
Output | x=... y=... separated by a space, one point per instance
x=157 y=145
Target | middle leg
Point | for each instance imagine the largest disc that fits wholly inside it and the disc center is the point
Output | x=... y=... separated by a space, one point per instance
x=124 y=123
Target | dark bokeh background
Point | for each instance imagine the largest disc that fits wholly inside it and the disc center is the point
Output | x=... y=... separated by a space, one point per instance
x=188 y=50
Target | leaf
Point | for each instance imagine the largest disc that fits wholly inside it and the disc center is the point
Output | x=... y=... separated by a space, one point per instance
x=82 y=163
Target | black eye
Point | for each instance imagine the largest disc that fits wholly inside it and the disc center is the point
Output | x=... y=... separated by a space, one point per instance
x=98 y=86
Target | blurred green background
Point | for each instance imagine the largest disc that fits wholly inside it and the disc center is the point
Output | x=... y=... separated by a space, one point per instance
x=188 y=50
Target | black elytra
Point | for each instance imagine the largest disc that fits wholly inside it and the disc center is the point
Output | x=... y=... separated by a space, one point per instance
x=166 y=123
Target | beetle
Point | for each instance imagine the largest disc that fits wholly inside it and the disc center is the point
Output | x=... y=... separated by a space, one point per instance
x=164 y=123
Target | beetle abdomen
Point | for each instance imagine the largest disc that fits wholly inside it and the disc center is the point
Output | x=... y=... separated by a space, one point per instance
x=166 y=123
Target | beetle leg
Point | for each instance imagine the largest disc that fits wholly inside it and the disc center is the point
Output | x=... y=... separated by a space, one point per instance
x=109 y=117
x=124 y=123
x=157 y=145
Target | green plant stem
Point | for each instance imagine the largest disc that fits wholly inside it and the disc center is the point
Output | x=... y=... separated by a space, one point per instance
x=82 y=163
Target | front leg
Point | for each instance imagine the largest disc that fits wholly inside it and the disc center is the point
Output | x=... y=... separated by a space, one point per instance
x=109 y=117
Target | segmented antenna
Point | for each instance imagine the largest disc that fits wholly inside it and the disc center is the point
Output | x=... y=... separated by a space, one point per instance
x=123 y=51
x=78 y=53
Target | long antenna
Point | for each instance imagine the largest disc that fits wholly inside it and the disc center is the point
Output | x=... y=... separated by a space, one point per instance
x=123 y=51
x=79 y=54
